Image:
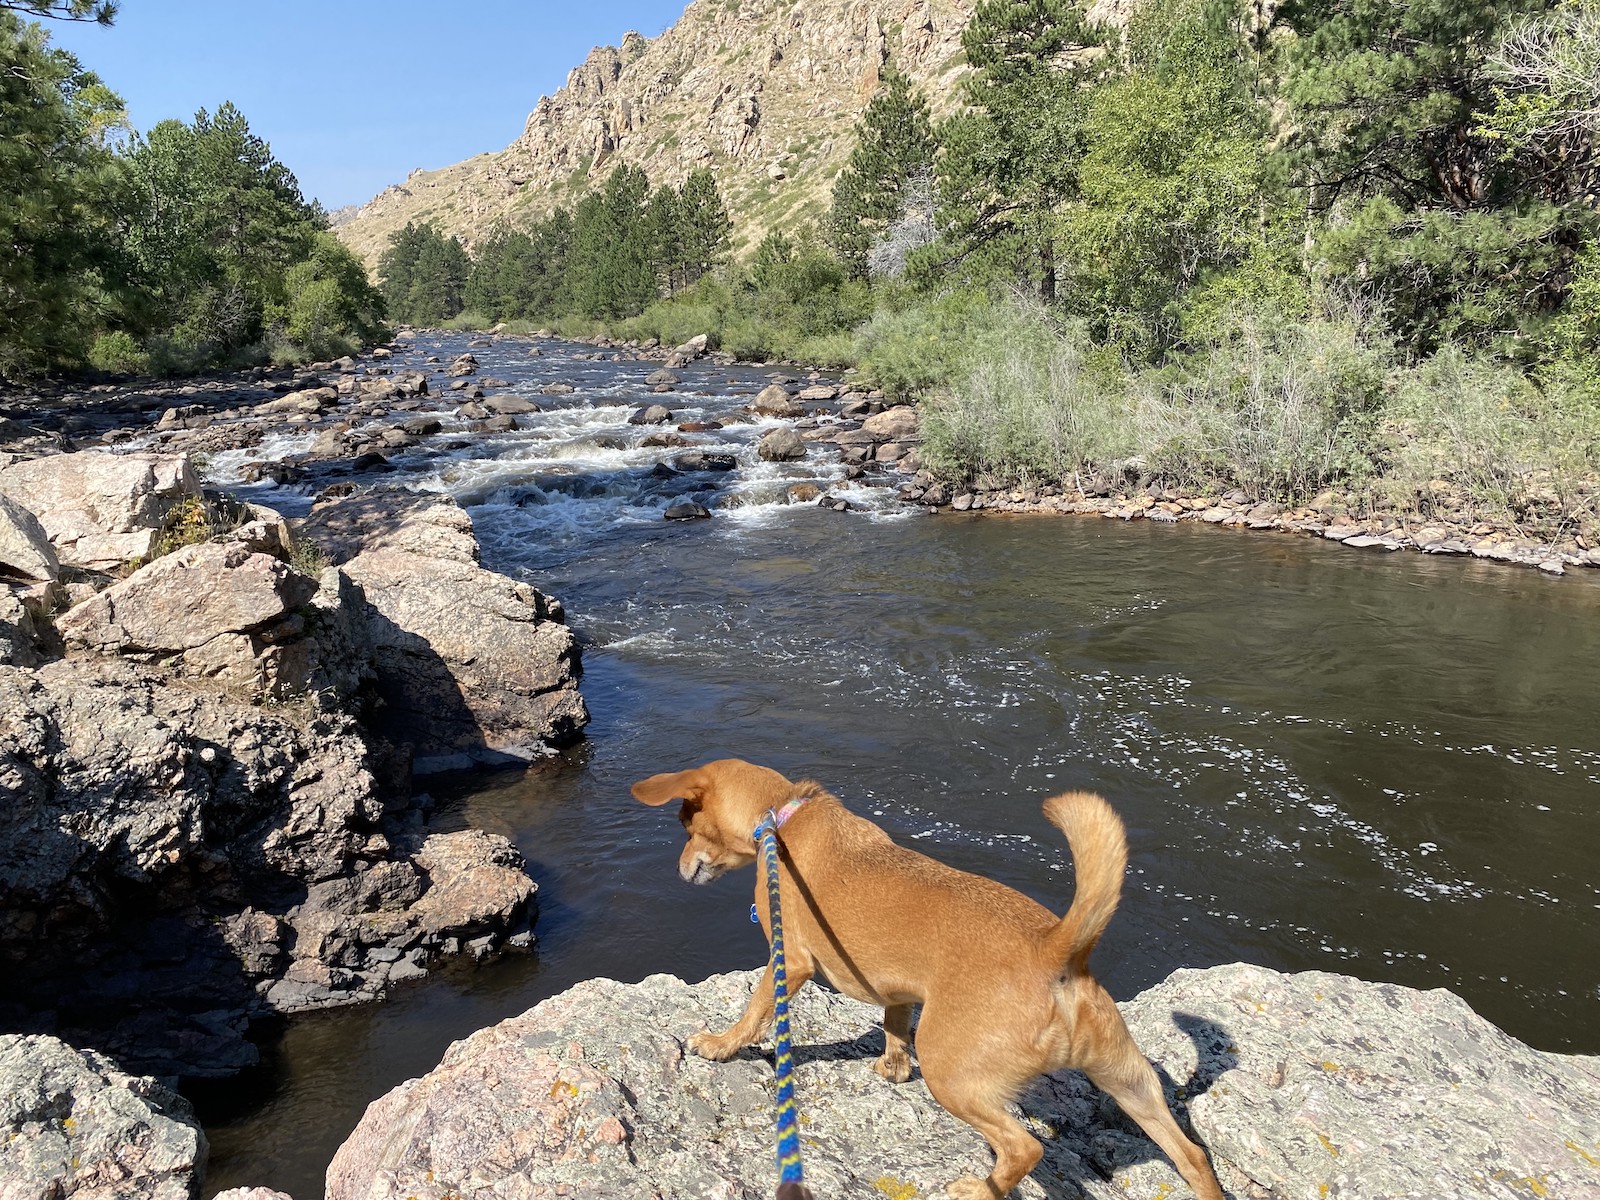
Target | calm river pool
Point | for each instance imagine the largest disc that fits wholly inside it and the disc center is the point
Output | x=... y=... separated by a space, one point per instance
x=1383 y=765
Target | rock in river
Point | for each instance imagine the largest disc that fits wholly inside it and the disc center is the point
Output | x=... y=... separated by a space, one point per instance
x=100 y=510
x=470 y=663
x=781 y=445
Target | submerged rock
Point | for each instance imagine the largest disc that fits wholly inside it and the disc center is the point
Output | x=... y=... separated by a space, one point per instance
x=1310 y=1085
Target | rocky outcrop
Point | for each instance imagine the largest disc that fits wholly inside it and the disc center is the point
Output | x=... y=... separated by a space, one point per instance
x=473 y=665
x=25 y=549
x=1310 y=1085
x=193 y=831
x=75 y=1127
x=766 y=92
x=100 y=510
x=218 y=860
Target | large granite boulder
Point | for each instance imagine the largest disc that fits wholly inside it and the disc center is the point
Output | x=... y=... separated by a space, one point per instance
x=25 y=549
x=1311 y=1085
x=774 y=401
x=471 y=664
x=74 y=1127
x=100 y=510
x=176 y=861
x=225 y=610
x=114 y=777
x=897 y=424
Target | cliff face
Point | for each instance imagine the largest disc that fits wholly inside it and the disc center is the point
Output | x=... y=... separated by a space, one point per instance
x=766 y=93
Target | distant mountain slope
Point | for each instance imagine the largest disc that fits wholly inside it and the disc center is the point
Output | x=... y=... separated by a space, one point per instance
x=764 y=92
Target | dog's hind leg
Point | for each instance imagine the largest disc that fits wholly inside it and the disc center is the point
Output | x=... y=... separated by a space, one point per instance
x=1133 y=1084
x=1116 y=1065
x=895 y=1065
x=968 y=1079
x=757 y=1016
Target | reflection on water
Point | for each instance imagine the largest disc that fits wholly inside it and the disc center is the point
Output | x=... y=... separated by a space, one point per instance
x=1381 y=765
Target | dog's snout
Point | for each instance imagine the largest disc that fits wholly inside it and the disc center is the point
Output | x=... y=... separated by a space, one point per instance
x=699 y=869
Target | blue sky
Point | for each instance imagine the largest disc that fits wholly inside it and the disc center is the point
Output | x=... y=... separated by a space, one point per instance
x=353 y=94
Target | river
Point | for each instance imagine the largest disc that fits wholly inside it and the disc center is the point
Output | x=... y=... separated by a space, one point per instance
x=1383 y=765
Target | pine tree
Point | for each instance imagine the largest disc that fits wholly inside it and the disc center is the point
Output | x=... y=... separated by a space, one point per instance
x=1465 y=237
x=706 y=225
x=894 y=144
x=56 y=184
x=1010 y=163
x=664 y=215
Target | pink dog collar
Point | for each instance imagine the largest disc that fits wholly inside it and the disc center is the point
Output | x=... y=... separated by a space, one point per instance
x=776 y=817
x=787 y=811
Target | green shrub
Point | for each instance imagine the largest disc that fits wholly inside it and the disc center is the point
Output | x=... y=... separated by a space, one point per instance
x=1514 y=448
x=469 y=322
x=1280 y=410
x=118 y=354
x=910 y=352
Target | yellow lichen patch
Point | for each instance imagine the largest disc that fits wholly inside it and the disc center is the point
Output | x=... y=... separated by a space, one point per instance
x=68 y=1124
x=1322 y=1189
x=1584 y=1154
x=1327 y=1145
x=1533 y=1184
x=1329 y=1065
x=562 y=1088
x=896 y=1189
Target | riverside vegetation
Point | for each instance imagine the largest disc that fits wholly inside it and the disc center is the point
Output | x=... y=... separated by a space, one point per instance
x=1170 y=255
x=182 y=248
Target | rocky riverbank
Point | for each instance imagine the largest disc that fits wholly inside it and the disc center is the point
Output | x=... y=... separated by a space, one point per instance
x=1309 y=1085
x=1444 y=529
x=206 y=749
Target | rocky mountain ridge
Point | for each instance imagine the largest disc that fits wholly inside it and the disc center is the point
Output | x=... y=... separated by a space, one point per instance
x=766 y=93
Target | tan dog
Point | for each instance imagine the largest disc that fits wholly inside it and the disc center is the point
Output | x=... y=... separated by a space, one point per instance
x=1004 y=984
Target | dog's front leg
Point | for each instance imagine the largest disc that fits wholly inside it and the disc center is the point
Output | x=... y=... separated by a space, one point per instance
x=751 y=1027
x=895 y=1064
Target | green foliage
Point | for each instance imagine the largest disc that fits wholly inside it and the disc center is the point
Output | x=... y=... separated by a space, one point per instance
x=1280 y=409
x=911 y=352
x=423 y=275
x=215 y=222
x=1412 y=135
x=1516 y=450
x=608 y=259
x=894 y=145
x=329 y=307
x=102 y=12
x=57 y=183
x=705 y=227
x=1011 y=162
x=1173 y=192
x=118 y=354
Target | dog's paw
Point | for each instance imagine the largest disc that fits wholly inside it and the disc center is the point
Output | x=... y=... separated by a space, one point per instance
x=896 y=1068
x=710 y=1045
x=970 y=1187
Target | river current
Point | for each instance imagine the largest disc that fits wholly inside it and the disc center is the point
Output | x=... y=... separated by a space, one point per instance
x=1382 y=765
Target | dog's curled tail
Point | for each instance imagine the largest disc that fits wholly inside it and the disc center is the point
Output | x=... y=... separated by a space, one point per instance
x=1099 y=858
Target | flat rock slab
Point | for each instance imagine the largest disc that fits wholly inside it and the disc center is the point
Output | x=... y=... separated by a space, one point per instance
x=1310 y=1085
x=99 y=509
x=73 y=1125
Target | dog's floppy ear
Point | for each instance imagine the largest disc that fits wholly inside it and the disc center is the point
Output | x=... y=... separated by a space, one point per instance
x=663 y=789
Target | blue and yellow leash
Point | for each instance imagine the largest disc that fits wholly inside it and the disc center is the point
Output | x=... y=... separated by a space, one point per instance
x=791 y=1176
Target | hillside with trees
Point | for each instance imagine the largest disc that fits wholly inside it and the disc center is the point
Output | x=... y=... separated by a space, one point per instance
x=1318 y=248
